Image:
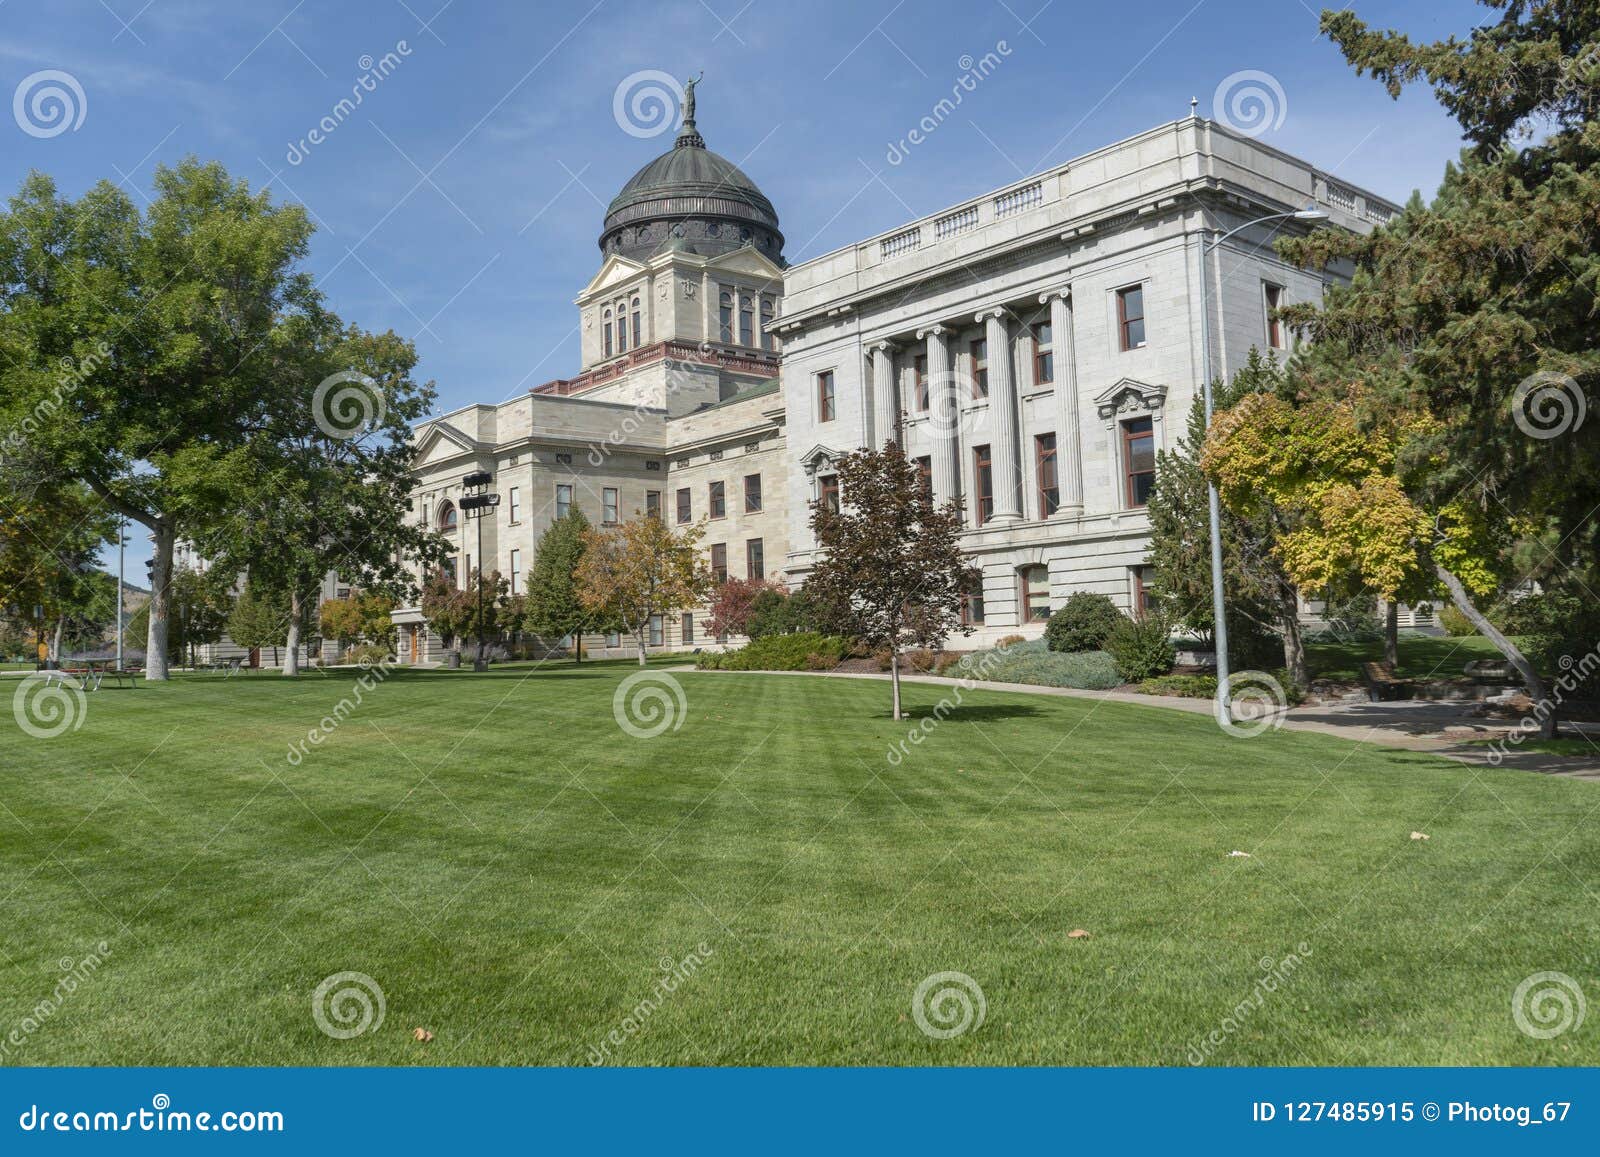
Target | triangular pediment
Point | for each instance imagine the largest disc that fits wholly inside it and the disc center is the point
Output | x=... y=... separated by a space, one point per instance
x=442 y=442
x=617 y=270
x=817 y=457
x=747 y=260
x=1130 y=396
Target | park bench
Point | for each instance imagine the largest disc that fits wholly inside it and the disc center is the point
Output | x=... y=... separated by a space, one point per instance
x=1382 y=684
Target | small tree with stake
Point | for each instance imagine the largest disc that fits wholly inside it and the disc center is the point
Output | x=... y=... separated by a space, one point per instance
x=892 y=567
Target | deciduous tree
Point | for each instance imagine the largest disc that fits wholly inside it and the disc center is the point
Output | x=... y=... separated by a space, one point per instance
x=639 y=569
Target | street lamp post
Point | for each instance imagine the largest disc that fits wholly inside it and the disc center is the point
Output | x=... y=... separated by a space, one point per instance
x=477 y=501
x=1214 y=505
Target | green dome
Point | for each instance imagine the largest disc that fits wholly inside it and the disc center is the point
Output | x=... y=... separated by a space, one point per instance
x=693 y=200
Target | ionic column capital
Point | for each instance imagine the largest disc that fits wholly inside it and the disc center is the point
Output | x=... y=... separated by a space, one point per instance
x=1063 y=291
x=937 y=329
x=882 y=345
x=999 y=312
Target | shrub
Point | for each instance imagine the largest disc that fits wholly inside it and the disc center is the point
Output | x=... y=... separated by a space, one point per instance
x=1010 y=640
x=1083 y=623
x=806 y=651
x=1185 y=686
x=368 y=654
x=921 y=659
x=946 y=661
x=1032 y=662
x=1455 y=623
x=1141 y=647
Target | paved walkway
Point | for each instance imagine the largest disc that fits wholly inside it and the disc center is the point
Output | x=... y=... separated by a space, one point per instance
x=1411 y=725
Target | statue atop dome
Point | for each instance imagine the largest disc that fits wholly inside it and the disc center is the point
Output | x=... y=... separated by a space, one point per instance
x=689 y=137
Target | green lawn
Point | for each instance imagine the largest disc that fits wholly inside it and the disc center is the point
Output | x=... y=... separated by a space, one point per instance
x=1421 y=656
x=511 y=869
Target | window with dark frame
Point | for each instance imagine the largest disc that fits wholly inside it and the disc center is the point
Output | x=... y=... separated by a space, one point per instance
x=919 y=381
x=563 y=499
x=828 y=491
x=719 y=562
x=1044 y=358
x=657 y=631
x=1273 y=297
x=769 y=339
x=1130 y=316
x=687 y=630
x=607 y=330
x=1034 y=584
x=1143 y=580
x=638 y=329
x=652 y=503
x=825 y=397
x=747 y=322
x=608 y=505
x=1139 y=460
x=685 y=513
x=718 y=492
x=972 y=604
x=925 y=476
x=983 y=483
x=752 y=493
x=725 y=311
x=755 y=559
x=622 y=328
x=1044 y=451
x=978 y=356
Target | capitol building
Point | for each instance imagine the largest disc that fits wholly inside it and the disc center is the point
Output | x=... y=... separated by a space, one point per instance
x=1032 y=349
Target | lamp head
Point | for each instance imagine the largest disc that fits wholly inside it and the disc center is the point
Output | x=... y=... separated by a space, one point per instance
x=1310 y=213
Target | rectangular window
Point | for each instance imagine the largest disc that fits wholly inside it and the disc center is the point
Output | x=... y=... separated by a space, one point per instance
x=972 y=604
x=978 y=356
x=719 y=562
x=719 y=499
x=622 y=331
x=608 y=505
x=450 y=570
x=638 y=330
x=684 y=512
x=828 y=492
x=1143 y=580
x=1130 y=316
x=752 y=493
x=652 y=503
x=1035 y=584
x=983 y=483
x=1139 y=460
x=925 y=476
x=1044 y=358
x=825 y=400
x=919 y=381
x=1273 y=296
x=614 y=639
x=516 y=503
x=563 y=499
x=608 y=333
x=747 y=323
x=725 y=316
x=516 y=572
x=688 y=629
x=657 y=631
x=755 y=559
x=1044 y=451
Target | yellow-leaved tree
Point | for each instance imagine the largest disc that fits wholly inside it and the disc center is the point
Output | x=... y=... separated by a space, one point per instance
x=642 y=568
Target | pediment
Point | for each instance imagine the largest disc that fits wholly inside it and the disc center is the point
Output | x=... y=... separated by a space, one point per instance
x=817 y=457
x=616 y=270
x=747 y=260
x=1129 y=396
x=442 y=442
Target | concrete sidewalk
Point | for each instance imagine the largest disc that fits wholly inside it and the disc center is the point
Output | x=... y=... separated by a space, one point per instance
x=1410 y=725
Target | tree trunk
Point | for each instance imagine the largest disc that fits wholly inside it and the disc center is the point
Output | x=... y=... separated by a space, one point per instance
x=577 y=650
x=1294 y=647
x=164 y=536
x=638 y=637
x=55 y=639
x=1536 y=687
x=291 y=650
x=894 y=679
x=1391 y=633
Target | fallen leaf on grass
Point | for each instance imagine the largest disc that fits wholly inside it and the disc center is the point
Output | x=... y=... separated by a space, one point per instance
x=1241 y=855
x=1420 y=836
x=1077 y=934
x=422 y=1035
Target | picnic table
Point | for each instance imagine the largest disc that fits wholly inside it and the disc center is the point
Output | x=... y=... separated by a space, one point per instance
x=92 y=674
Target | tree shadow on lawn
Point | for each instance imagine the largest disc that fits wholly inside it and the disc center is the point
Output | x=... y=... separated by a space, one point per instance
x=966 y=713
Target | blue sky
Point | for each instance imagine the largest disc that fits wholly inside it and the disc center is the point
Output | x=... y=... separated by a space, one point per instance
x=461 y=201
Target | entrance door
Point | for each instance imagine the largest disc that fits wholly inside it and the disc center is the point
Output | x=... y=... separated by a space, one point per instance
x=416 y=641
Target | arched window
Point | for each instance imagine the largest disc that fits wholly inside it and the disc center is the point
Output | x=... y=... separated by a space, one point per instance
x=725 y=304
x=746 y=321
x=622 y=327
x=447 y=518
x=638 y=330
x=607 y=329
x=769 y=340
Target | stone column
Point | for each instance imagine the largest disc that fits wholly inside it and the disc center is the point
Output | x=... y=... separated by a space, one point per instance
x=885 y=398
x=944 y=414
x=1069 y=438
x=1003 y=412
